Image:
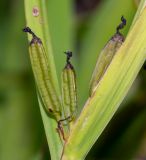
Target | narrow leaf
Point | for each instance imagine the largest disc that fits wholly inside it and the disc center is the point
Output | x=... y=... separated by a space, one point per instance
x=109 y=93
x=37 y=20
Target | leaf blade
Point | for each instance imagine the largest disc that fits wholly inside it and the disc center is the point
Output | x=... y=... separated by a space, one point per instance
x=39 y=24
x=101 y=107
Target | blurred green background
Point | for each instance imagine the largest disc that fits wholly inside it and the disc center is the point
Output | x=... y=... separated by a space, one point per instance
x=90 y=24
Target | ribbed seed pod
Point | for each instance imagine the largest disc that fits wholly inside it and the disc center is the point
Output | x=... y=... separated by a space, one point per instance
x=106 y=56
x=69 y=93
x=42 y=76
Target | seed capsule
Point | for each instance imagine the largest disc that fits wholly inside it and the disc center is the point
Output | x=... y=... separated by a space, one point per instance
x=42 y=76
x=107 y=55
x=69 y=93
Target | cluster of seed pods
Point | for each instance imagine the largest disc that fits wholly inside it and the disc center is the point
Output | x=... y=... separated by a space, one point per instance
x=45 y=86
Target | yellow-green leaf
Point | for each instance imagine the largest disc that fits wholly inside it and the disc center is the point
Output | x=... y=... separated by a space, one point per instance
x=109 y=93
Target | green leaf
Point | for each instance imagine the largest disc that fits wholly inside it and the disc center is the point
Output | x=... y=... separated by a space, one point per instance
x=109 y=93
x=39 y=25
x=55 y=145
x=142 y=4
x=60 y=17
x=42 y=17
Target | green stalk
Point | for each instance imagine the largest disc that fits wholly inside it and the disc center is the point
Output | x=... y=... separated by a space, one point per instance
x=109 y=93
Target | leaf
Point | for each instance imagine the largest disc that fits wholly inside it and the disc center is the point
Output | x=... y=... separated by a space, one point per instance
x=47 y=27
x=109 y=93
x=60 y=17
x=142 y=4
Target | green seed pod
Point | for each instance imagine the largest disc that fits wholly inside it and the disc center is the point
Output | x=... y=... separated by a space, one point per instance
x=42 y=76
x=69 y=93
x=106 y=56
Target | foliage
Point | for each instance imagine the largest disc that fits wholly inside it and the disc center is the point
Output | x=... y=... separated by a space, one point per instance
x=22 y=135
